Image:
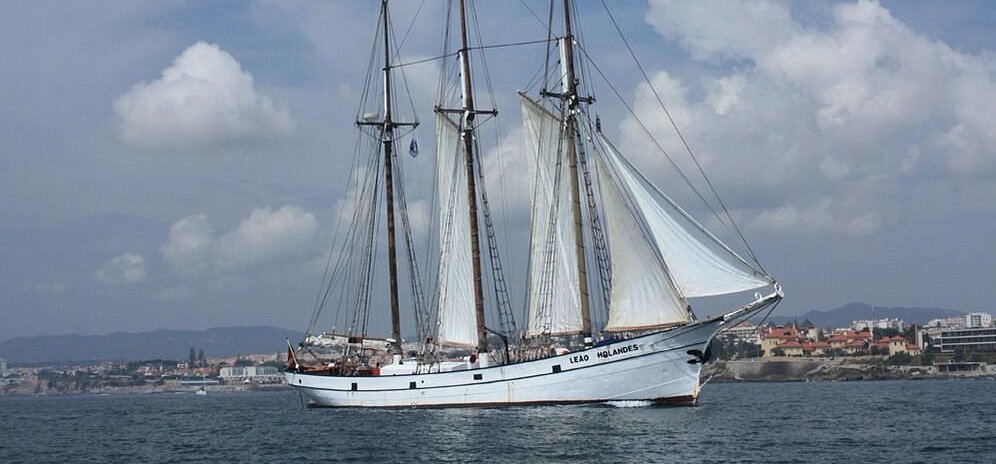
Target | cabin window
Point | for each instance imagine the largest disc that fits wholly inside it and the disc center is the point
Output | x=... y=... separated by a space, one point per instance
x=556 y=368
x=411 y=385
x=478 y=376
x=354 y=386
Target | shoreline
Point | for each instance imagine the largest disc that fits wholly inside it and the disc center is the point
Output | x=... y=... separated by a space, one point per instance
x=828 y=369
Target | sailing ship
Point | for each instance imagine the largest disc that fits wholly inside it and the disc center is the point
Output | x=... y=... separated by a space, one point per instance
x=613 y=266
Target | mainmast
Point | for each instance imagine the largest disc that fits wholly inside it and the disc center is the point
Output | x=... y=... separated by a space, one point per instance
x=570 y=97
x=388 y=140
x=469 y=114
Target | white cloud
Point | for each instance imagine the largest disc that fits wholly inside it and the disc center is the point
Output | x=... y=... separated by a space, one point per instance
x=189 y=246
x=128 y=268
x=724 y=93
x=265 y=236
x=723 y=28
x=821 y=216
x=205 y=100
x=859 y=109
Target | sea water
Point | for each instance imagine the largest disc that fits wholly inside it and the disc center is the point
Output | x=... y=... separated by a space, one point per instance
x=888 y=421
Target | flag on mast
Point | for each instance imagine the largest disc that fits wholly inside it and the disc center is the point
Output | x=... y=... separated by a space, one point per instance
x=413 y=148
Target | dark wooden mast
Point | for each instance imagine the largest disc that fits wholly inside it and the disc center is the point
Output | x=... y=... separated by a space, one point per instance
x=469 y=113
x=388 y=140
x=570 y=97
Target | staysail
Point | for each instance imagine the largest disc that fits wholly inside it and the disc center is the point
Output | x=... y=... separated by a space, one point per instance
x=553 y=295
x=457 y=323
x=642 y=296
x=696 y=261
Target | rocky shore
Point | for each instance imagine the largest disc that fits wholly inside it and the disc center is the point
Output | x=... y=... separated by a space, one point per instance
x=826 y=369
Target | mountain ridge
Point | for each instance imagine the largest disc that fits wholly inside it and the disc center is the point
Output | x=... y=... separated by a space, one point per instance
x=843 y=315
x=156 y=344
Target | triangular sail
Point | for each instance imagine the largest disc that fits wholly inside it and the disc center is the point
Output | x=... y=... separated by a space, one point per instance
x=554 y=295
x=457 y=323
x=696 y=261
x=641 y=296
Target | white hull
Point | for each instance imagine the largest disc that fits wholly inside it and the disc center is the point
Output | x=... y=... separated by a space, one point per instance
x=652 y=367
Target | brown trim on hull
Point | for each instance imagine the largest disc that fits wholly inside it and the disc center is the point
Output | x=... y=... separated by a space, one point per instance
x=684 y=400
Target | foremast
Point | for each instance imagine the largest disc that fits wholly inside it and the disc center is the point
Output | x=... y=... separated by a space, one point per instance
x=388 y=126
x=469 y=114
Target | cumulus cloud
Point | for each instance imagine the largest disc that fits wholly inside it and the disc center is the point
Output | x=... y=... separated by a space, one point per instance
x=205 y=100
x=128 y=268
x=838 y=121
x=820 y=216
x=190 y=243
x=265 y=236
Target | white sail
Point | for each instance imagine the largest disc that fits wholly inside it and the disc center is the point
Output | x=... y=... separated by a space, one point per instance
x=457 y=320
x=697 y=262
x=554 y=295
x=641 y=296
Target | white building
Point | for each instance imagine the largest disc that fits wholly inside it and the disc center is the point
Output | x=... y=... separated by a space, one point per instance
x=953 y=322
x=3 y=368
x=250 y=373
x=743 y=332
x=978 y=320
x=877 y=324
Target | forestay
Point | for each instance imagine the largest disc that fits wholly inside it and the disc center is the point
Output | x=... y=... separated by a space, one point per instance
x=457 y=321
x=554 y=294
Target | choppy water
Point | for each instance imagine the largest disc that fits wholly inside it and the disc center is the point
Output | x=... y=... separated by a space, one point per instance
x=899 y=421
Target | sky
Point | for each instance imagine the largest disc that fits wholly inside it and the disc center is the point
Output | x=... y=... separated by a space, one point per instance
x=181 y=165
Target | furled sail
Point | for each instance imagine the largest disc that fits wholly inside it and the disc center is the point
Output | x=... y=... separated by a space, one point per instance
x=696 y=261
x=554 y=295
x=457 y=323
x=641 y=296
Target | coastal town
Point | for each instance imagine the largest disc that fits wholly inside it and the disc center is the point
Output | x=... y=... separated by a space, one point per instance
x=866 y=349
x=197 y=374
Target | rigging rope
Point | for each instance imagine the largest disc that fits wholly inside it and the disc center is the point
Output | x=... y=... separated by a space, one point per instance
x=479 y=47
x=653 y=139
x=684 y=142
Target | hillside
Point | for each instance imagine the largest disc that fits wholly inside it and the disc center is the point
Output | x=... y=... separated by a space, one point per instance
x=159 y=344
x=842 y=316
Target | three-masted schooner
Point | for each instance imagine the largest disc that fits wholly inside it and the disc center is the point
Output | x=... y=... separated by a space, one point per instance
x=651 y=257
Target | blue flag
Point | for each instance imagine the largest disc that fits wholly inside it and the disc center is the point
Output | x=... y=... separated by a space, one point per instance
x=413 y=148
